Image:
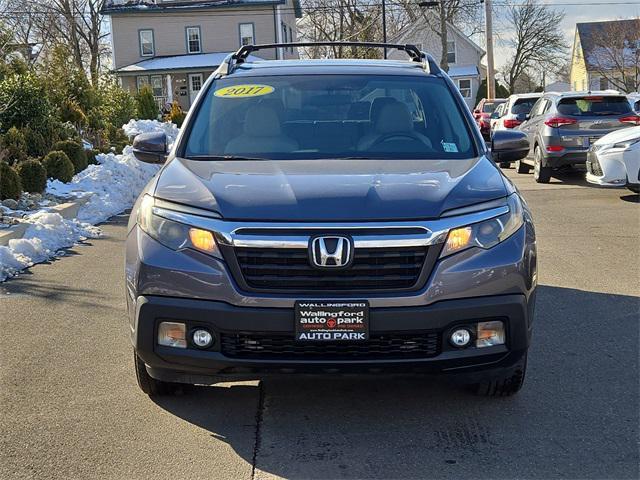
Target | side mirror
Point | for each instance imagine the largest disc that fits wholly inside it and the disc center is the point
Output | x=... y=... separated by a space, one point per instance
x=150 y=147
x=509 y=146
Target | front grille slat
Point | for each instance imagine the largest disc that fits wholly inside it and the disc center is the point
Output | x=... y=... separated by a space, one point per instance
x=284 y=347
x=275 y=269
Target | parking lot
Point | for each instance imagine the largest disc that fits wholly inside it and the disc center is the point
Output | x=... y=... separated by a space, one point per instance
x=71 y=408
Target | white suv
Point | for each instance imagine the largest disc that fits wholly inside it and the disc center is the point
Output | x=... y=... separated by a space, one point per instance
x=515 y=111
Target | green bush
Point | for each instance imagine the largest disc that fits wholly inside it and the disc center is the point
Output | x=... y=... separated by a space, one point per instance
x=58 y=166
x=71 y=112
x=37 y=142
x=24 y=102
x=75 y=152
x=177 y=115
x=33 y=176
x=147 y=106
x=117 y=106
x=10 y=186
x=14 y=146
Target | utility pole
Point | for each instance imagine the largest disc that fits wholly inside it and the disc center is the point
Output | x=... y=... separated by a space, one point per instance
x=384 y=25
x=491 y=74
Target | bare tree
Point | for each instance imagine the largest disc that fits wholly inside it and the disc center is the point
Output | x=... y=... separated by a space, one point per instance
x=346 y=20
x=537 y=40
x=463 y=14
x=613 y=52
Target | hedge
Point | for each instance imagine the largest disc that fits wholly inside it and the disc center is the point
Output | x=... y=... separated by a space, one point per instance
x=10 y=186
x=33 y=176
x=58 y=166
x=75 y=152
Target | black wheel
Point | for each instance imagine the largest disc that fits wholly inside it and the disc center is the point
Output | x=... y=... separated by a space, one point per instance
x=540 y=174
x=504 y=386
x=147 y=383
x=522 y=167
x=505 y=164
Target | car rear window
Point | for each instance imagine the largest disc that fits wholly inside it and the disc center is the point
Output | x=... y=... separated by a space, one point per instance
x=489 y=107
x=522 y=106
x=594 y=106
x=330 y=116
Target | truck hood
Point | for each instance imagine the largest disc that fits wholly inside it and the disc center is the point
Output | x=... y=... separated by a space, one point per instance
x=330 y=190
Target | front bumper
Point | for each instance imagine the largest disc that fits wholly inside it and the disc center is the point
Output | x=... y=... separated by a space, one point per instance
x=192 y=365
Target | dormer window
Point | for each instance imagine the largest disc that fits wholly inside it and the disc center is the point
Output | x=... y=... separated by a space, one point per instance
x=194 y=43
x=147 y=48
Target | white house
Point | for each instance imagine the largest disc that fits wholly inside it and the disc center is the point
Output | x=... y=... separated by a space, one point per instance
x=463 y=55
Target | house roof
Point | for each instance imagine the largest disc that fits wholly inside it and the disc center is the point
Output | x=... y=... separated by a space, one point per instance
x=207 y=61
x=416 y=26
x=590 y=31
x=463 y=71
x=150 y=6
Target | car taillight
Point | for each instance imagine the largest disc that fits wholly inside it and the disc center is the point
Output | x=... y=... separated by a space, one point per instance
x=632 y=119
x=509 y=123
x=556 y=122
x=554 y=148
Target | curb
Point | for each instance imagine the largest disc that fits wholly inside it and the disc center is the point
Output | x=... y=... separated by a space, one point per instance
x=66 y=210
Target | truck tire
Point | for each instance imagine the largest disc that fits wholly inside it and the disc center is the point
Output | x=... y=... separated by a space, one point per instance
x=504 y=386
x=147 y=383
x=540 y=174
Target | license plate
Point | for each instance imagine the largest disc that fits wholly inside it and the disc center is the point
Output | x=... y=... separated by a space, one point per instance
x=343 y=321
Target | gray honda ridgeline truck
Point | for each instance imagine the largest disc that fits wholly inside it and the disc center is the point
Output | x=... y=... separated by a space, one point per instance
x=330 y=217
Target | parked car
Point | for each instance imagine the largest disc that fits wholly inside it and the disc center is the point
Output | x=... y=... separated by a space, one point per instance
x=562 y=127
x=482 y=114
x=614 y=160
x=282 y=236
x=514 y=111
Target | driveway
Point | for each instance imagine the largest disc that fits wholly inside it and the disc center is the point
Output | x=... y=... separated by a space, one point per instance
x=71 y=409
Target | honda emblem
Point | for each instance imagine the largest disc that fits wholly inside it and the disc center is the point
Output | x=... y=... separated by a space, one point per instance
x=331 y=252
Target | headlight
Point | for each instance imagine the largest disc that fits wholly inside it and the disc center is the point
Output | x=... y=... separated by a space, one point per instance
x=488 y=233
x=174 y=235
x=626 y=144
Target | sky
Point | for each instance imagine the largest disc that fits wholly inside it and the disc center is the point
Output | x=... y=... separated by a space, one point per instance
x=580 y=11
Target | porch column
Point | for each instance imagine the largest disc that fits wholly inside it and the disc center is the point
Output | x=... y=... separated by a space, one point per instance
x=169 y=89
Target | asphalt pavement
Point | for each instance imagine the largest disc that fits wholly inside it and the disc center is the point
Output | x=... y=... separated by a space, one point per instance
x=70 y=408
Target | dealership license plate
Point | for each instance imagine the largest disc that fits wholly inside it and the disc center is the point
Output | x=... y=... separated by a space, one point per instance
x=346 y=321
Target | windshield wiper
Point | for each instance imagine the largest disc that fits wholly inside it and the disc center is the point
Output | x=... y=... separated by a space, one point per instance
x=223 y=157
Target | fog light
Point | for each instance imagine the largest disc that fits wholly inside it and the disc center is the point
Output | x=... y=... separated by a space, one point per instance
x=490 y=334
x=202 y=338
x=172 y=334
x=460 y=337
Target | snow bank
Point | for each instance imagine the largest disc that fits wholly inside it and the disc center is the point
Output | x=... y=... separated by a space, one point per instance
x=111 y=187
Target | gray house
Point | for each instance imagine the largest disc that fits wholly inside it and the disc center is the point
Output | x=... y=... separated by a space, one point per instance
x=463 y=55
x=174 y=45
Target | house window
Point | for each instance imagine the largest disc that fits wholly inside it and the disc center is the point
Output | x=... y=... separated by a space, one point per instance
x=147 y=48
x=604 y=83
x=193 y=40
x=247 y=35
x=464 y=85
x=157 y=86
x=451 y=51
x=141 y=81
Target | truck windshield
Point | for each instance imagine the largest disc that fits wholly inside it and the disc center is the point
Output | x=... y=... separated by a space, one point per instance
x=329 y=116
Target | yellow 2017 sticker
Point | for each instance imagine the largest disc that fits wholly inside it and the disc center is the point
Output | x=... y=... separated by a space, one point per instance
x=244 y=91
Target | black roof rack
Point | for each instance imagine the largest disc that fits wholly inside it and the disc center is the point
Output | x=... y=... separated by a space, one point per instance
x=414 y=52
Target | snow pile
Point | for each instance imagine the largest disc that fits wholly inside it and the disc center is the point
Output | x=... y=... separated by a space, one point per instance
x=110 y=187
x=44 y=238
x=136 y=127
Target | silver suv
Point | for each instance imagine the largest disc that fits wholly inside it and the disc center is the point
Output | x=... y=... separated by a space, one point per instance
x=562 y=126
